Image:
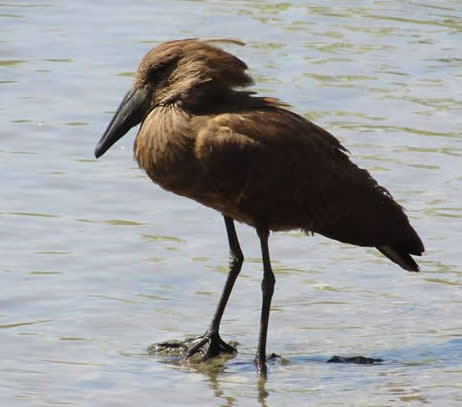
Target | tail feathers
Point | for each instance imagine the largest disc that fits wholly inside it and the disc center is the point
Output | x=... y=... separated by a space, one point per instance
x=400 y=257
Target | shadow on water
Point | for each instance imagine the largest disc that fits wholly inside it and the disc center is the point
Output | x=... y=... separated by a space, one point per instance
x=448 y=353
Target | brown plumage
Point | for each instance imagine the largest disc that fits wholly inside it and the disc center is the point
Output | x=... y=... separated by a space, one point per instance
x=254 y=161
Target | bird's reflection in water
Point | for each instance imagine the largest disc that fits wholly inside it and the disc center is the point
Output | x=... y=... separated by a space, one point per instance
x=216 y=369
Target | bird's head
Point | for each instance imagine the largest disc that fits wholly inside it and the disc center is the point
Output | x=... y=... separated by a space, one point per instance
x=186 y=72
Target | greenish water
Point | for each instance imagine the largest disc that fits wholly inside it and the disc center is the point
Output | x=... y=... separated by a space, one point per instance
x=97 y=263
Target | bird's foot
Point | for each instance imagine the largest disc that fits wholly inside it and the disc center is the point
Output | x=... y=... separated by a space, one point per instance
x=360 y=360
x=199 y=348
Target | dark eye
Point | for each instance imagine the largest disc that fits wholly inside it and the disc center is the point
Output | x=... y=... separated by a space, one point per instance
x=161 y=70
x=156 y=73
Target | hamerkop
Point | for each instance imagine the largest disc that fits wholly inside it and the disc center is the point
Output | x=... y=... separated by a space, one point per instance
x=252 y=160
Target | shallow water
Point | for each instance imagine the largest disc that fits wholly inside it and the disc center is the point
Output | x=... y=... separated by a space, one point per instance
x=97 y=263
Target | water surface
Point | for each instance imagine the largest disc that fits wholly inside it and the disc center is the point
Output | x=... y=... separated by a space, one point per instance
x=97 y=262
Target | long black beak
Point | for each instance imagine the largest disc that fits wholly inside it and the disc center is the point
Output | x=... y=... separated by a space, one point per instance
x=132 y=110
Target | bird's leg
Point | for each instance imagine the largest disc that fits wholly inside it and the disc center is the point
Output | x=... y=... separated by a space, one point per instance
x=210 y=344
x=235 y=264
x=267 y=286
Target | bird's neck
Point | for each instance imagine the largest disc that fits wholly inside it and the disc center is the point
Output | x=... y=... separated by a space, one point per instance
x=211 y=101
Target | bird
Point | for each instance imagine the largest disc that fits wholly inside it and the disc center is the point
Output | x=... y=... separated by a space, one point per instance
x=204 y=136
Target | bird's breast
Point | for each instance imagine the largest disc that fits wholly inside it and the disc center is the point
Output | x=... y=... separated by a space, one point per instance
x=164 y=149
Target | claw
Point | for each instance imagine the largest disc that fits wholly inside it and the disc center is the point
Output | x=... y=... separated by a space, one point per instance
x=208 y=346
x=197 y=347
